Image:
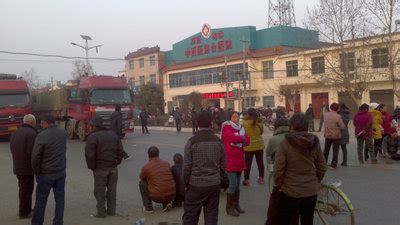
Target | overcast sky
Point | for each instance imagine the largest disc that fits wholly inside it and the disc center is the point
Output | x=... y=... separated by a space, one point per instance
x=121 y=26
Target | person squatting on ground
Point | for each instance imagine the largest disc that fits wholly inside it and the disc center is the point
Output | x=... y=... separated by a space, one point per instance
x=234 y=138
x=21 y=145
x=49 y=164
x=203 y=165
x=144 y=117
x=177 y=174
x=116 y=125
x=298 y=171
x=363 y=130
x=333 y=126
x=345 y=138
x=254 y=128
x=281 y=127
x=103 y=152
x=156 y=182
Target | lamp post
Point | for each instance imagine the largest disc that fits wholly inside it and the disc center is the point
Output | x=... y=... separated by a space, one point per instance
x=87 y=48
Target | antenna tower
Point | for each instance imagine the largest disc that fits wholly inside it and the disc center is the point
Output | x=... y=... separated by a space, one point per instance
x=281 y=12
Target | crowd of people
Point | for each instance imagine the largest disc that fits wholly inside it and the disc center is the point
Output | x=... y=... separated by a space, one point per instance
x=211 y=161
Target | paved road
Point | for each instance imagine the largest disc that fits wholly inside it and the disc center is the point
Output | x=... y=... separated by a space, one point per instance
x=373 y=189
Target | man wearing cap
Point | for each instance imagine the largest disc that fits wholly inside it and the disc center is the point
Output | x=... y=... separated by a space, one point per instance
x=104 y=153
x=21 y=145
x=48 y=164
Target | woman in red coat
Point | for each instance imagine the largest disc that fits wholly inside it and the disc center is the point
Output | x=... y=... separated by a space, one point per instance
x=234 y=139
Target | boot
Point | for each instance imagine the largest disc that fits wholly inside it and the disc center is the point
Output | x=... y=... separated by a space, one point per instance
x=236 y=202
x=230 y=205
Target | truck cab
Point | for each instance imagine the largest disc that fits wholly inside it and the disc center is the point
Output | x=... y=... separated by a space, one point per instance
x=98 y=96
x=15 y=103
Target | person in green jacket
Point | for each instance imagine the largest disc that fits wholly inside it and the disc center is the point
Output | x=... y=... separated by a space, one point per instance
x=281 y=129
x=254 y=128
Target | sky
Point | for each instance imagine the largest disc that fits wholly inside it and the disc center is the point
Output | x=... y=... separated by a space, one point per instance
x=120 y=26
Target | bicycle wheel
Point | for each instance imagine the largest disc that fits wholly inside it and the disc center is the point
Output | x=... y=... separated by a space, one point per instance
x=271 y=182
x=333 y=207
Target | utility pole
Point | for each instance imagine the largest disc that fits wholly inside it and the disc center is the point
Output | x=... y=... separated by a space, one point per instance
x=87 y=48
x=226 y=82
x=244 y=73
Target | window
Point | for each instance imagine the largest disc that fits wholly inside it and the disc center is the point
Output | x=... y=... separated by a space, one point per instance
x=268 y=101
x=152 y=60
x=250 y=102
x=347 y=62
x=141 y=80
x=318 y=65
x=141 y=63
x=131 y=82
x=131 y=64
x=106 y=96
x=380 y=58
x=205 y=76
x=268 y=69
x=153 y=78
x=291 y=68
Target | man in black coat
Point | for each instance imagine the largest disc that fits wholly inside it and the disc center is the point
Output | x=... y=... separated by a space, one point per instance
x=21 y=145
x=116 y=125
x=49 y=164
x=104 y=153
x=310 y=117
x=193 y=116
x=144 y=117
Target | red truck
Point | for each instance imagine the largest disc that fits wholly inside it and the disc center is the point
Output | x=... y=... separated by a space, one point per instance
x=15 y=103
x=92 y=96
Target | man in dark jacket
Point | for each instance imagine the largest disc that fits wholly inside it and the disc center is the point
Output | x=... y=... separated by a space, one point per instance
x=298 y=171
x=48 y=164
x=178 y=119
x=21 y=145
x=144 y=117
x=116 y=125
x=310 y=117
x=104 y=153
x=193 y=116
x=203 y=163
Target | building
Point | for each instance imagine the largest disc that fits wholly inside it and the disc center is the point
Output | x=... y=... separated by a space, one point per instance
x=143 y=66
x=284 y=66
x=197 y=63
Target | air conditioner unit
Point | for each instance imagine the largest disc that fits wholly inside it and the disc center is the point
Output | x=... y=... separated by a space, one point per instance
x=258 y=98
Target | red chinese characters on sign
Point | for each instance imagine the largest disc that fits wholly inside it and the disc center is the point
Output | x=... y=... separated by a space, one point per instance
x=216 y=95
x=197 y=49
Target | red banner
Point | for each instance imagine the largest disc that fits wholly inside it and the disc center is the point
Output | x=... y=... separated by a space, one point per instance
x=216 y=95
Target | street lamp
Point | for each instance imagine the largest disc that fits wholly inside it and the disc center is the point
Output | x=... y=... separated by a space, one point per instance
x=87 y=48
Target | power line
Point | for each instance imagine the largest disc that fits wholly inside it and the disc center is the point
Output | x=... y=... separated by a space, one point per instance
x=58 y=56
x=50 y=61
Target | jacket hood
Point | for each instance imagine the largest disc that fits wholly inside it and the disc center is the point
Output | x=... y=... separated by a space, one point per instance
x=281 y=130
x=344 y=111
x=375 y=112
x=248 y=118
x=302 y=140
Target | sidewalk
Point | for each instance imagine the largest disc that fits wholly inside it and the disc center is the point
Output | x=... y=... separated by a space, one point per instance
x=184 y=129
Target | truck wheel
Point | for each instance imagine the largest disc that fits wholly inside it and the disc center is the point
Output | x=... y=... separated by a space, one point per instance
x=70 y=129
x=81 y=131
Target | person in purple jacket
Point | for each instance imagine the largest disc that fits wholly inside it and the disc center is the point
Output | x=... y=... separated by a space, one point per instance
x=363 y=129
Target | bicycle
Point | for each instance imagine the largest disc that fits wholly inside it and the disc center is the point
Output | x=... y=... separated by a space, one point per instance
x=332 y=203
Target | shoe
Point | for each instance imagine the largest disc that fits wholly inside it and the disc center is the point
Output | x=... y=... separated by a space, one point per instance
x=167 y=207
x=26 y=216
x=176 y=204
x=343 y=164
x=236 y=202
x=260 y=180
x=148 y=210
x=99 y=215
x=246 y=183
x=111 y=213
x=332 y=166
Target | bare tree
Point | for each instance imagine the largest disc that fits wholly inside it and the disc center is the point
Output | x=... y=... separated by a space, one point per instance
x=285 y=89
x=383 y=14
x=342 y=23
x=32 y=79
x=81 y=70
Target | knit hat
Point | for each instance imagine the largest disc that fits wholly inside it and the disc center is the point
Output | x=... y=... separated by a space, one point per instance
x=373 y=105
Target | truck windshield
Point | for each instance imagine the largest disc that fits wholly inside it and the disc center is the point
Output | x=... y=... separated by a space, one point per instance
x=115 y=96
x=14 y=100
